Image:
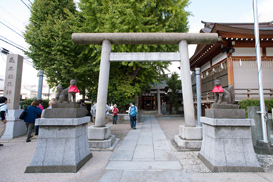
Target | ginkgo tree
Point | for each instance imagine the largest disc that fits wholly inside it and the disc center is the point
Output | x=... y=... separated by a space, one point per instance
x=129 y=79
x=49 y=35
x=52 y=23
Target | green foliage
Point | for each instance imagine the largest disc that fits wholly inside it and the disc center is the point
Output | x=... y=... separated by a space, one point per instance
x=51 y=48
x=174 y=85
x=28 y=102
x=251 y=102
x=129 y=79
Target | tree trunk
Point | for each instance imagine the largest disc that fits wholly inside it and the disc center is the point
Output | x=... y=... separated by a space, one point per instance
x=83 y=93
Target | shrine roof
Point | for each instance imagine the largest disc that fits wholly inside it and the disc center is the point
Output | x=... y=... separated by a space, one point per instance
x=242 y=33
x=210 y=26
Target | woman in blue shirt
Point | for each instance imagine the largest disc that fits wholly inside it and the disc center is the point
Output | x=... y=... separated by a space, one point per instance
x=32 y=113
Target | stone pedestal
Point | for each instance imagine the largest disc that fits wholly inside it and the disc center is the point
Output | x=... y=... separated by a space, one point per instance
x=100 y=138
x=257 y=134
x=62 y=146
x=189 y=137
x=64 y=113
x=15 y=127
x=227 y=145
x=225 y=113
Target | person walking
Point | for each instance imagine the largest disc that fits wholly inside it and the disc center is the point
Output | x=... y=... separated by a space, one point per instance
x=133 y=114
x=115 y=114
x=107 y=113
x=33 y=112
x=3 y=112
x=42 y=108
x=52 y=101
x=93 y=112
x=83 y=105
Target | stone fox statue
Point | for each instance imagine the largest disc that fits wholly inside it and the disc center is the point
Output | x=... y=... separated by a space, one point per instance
x=223 y=96
x=68 y=94
x=62 y=94
x=72 y=90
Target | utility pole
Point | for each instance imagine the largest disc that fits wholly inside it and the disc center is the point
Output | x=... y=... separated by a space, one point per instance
x=260 y=73
x=198 y=95
x=40 y=84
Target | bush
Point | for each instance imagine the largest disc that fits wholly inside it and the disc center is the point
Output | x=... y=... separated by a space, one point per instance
x=251 y=102
x=28 y=102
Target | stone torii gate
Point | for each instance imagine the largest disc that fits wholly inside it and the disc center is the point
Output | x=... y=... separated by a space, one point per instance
x=182 y=39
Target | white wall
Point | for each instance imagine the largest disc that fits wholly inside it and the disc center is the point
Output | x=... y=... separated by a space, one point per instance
x=219 y=58
x=269 y=51
x=246 y=75
x=205 y=66
x=245 y=52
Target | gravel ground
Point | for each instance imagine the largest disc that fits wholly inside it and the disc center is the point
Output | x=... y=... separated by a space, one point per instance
x=189 y=160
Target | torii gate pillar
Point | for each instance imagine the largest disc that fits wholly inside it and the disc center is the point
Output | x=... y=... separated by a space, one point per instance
x=190 y=137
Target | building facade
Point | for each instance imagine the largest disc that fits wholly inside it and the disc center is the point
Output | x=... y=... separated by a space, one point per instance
x=233 y=60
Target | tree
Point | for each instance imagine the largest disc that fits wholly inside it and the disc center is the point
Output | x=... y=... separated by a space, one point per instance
x=174 y=85
x=128 y=79
x=51 y=48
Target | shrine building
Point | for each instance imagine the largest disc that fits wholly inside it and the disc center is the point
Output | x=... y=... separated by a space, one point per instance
x=233 y=61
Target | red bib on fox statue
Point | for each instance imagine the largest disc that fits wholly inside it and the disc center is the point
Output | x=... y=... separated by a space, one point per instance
x=73 y=88
x=217 y=89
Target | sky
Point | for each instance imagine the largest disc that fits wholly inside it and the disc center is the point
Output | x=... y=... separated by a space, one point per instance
x=14 y=16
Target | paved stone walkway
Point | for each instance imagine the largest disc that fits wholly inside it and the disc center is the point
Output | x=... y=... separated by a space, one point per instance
x=144 y=153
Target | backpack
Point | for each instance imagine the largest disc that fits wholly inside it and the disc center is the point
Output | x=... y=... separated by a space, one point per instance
x=115 y=111
x=133 y=111
x=23 y=114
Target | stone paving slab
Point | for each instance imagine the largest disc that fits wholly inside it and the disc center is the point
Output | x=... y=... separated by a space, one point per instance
x=164 y=155
x=143 y=165
x=163 y=145
x=111 y=175
x=151 y=176
x=144 y=152
x=126 y=155
x=128 y=145
x=145 y=141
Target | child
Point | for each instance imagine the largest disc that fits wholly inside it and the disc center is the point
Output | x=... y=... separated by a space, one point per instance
x=115 y=114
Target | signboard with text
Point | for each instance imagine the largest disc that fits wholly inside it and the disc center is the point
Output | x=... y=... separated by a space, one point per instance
x=12 y=87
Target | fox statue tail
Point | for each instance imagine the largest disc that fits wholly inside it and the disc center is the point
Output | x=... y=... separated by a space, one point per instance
x=231 y=92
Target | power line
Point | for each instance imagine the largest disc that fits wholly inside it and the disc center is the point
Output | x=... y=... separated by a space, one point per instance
x=7 y=23
x=25 y=4
x=14 y=43
x=11 y=29
x=11 y=15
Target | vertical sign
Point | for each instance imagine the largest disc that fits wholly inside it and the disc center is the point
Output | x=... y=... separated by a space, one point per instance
x=13 y=78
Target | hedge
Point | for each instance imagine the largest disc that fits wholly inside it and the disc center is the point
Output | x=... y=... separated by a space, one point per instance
x=28 y=102
x=252 y=102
